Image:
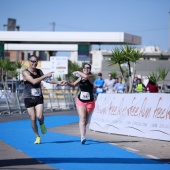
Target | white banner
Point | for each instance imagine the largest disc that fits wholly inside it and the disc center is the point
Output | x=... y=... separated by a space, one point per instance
x=143 y=115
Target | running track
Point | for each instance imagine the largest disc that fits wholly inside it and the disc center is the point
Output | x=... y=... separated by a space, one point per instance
x=65 y=152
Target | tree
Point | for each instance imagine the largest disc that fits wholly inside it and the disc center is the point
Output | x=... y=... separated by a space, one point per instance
x=114 y=74
x=126 y=55
x=154 y=77
x=72 y=66
x=1 y=67
x=14 y=74
x=19 y=66
x=5 y=66
x=162 y=75
x=133 y=56
x=116 y=57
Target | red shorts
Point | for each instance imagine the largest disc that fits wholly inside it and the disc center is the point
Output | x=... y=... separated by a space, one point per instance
x=89 y=105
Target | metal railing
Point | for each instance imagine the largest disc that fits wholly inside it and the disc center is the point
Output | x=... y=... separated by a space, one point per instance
x=54 y=99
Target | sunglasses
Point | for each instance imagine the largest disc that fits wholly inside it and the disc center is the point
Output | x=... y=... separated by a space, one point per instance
x=33 y=61
x=87 y=68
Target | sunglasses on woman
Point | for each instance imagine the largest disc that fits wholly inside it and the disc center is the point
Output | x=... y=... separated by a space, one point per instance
x=87 y=68
x=33 y=61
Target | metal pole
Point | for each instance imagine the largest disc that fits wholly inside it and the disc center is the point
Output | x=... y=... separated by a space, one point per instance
x=53 y=26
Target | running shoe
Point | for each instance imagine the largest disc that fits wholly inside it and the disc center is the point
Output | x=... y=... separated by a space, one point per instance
x=83 y=140
x=38 y=140
x=43 y=129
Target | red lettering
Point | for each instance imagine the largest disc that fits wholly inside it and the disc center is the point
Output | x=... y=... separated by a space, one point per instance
x=145 y=112
x=159 y=112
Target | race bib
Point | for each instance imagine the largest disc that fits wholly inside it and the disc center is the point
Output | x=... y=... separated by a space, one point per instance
x=120 y=91
x=85 y=95
x=35 y=91
x=99 y=90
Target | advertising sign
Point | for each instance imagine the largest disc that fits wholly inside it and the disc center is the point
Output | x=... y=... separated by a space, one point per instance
x=59 y=65
x=143 y=115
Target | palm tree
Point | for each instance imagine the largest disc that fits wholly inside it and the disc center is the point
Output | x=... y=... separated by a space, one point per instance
x=10 y=70
x=14 y=74
x=133 y=56
x=1 y=68
x=72 y=66
x=7 y=67
x=162 y=75
x=127 y=52
x=154 y=77
x=126 y=55
x=4 y=66
x=114 y=74
x=116 y=57
x=19 y=66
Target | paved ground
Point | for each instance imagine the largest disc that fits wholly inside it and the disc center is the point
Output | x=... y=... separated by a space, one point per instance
x=11 y=158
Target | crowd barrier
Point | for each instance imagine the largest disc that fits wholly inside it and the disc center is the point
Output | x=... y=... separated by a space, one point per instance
x=138 y=114
x=54 y=99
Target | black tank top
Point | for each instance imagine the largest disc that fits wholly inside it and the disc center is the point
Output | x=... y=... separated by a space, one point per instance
x=86 y=91
x=29 y=86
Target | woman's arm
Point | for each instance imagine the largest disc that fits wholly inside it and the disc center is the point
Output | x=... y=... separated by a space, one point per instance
x=85 y=76
x=74 y=83
x=52 y=81
x=28 y=77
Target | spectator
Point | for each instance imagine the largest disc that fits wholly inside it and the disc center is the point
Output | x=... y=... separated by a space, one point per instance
x=140 y=87
x=119 y=87
x=151 y=87
x=116 y=80
x=109 y=84
x=135 y=81
x=98 y=84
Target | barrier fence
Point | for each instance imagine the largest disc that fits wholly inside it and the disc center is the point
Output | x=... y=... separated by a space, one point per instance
x=54 y=99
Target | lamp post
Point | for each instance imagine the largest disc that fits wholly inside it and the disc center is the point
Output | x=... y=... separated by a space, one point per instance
x=53 y=26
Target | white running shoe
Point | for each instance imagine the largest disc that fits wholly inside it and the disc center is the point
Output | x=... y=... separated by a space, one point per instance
x=83 y=140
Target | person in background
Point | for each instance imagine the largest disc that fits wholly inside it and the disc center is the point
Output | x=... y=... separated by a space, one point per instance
x=116 y=80
x=109 y=84
x=21 y=87
x=135 y=81
x=140 y=87
x=120 y=86
x=98 y=84
x=33 y=97
x=85 y=101
x=151 y=87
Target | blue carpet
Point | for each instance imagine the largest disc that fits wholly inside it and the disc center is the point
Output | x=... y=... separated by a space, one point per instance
x=65 y=151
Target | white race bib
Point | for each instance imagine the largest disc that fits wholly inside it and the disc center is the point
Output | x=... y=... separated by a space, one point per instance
x=120 y=91
x=99 y=90
x=35 y=91
x=85 y=95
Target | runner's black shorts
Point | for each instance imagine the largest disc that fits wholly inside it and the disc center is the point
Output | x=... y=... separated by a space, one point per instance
x=33 y=101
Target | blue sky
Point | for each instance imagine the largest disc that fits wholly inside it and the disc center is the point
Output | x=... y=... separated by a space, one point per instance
x=149 y=19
